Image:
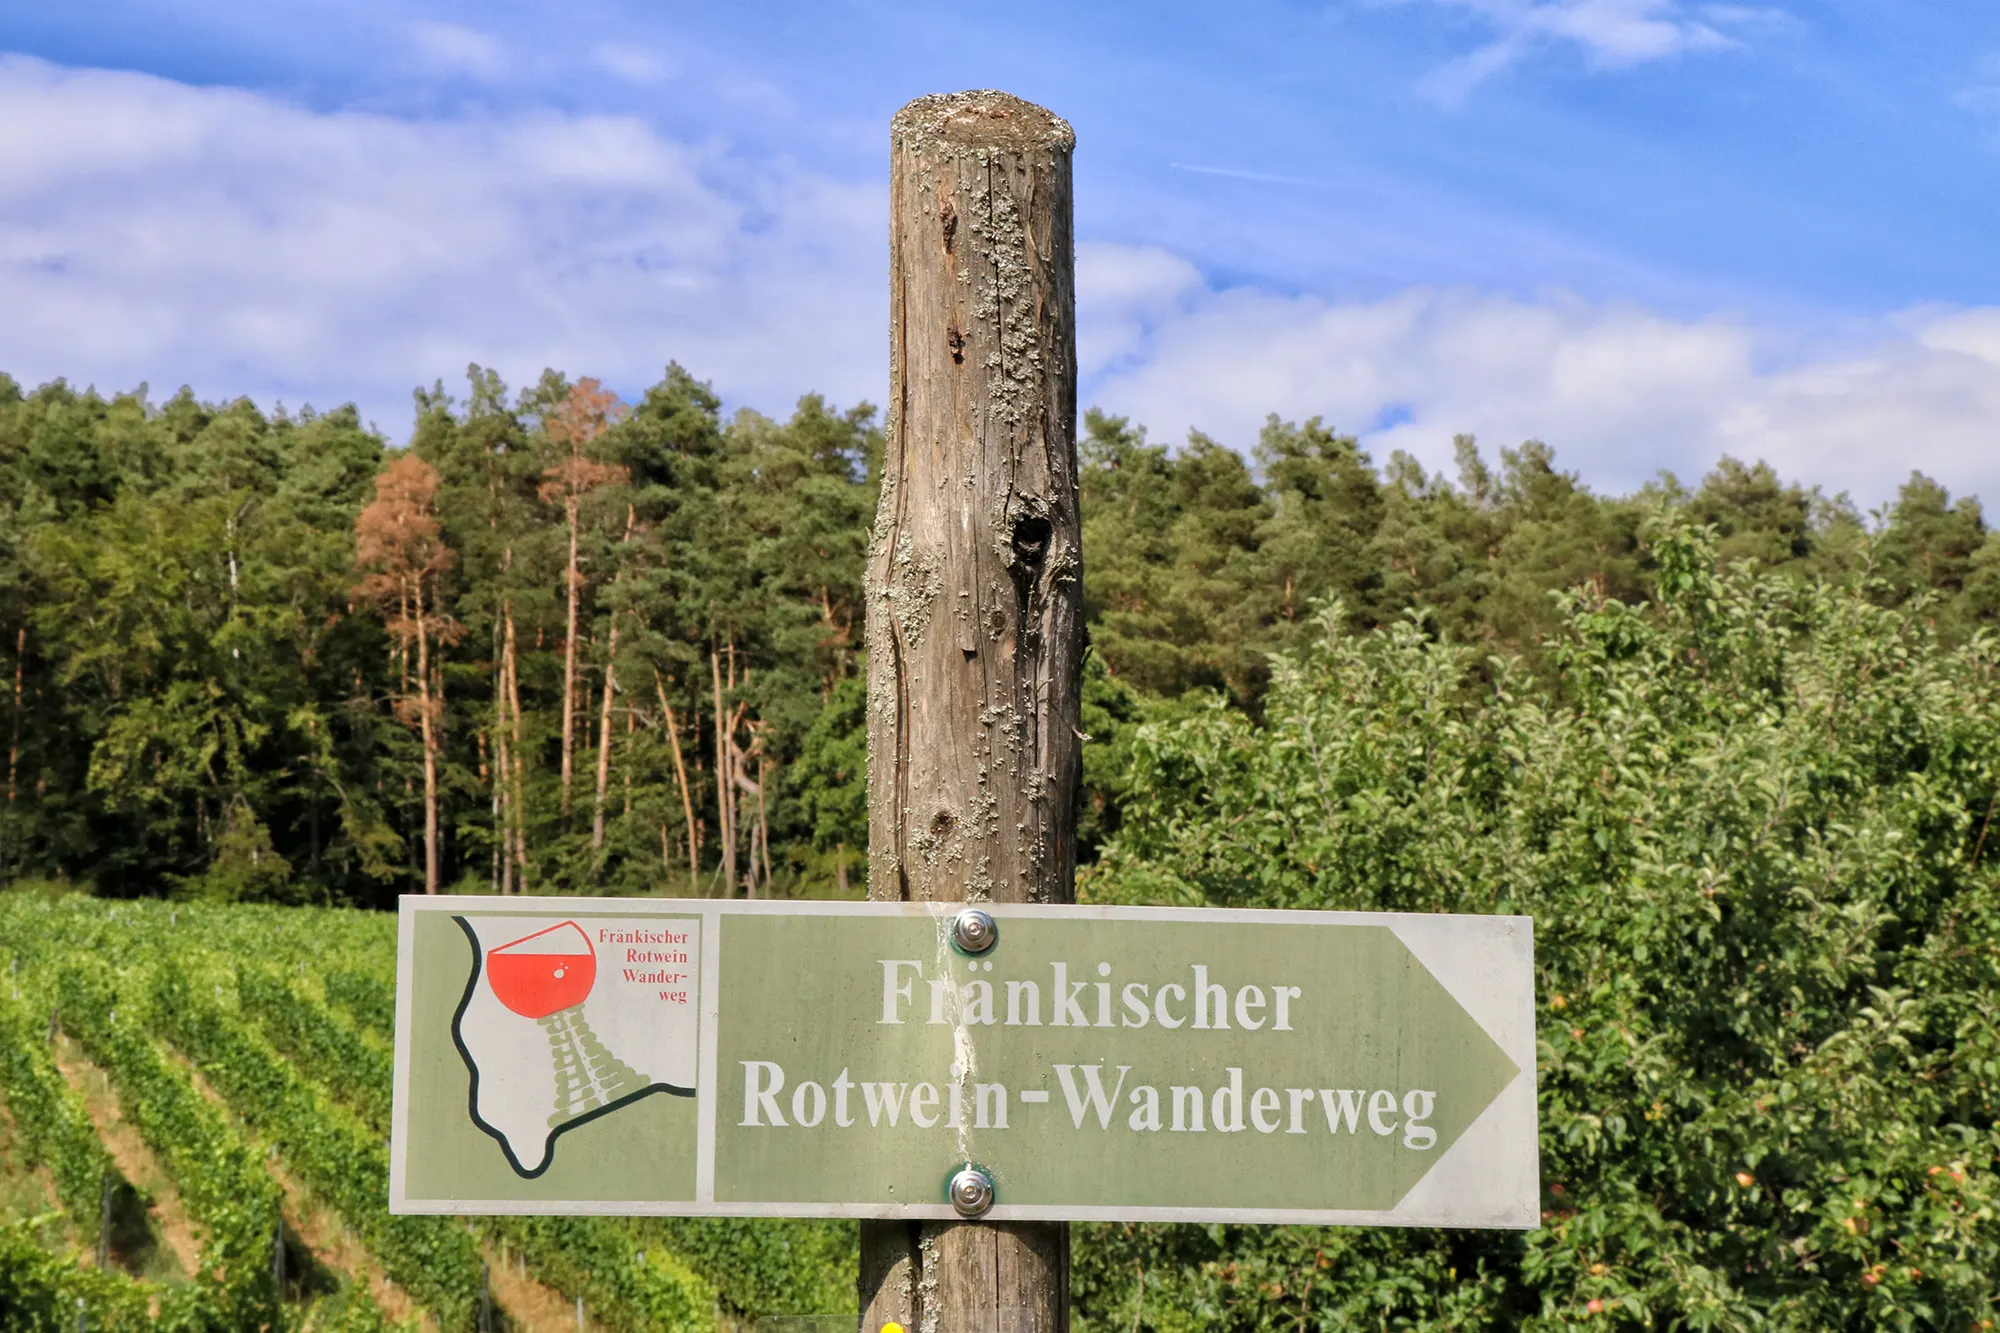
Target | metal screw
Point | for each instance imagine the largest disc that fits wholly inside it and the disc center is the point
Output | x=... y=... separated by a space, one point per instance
x=974 y=931
x=971 y=1189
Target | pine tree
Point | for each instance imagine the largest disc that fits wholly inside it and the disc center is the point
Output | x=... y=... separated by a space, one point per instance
x=400 y=551
x=572 y=426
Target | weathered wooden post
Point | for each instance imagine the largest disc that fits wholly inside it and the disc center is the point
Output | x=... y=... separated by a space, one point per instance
x=975 y=601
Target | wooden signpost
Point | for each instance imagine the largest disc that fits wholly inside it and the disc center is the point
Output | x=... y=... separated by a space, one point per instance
x=968 y=1061
x=975 y=602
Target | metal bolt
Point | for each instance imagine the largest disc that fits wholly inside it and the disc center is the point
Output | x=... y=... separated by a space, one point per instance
x=971 y=1190
x=974 y=931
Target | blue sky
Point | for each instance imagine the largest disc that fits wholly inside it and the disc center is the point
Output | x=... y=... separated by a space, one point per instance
x=1647 y=231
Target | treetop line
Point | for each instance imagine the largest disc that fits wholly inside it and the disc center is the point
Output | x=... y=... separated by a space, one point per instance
x=211 y=697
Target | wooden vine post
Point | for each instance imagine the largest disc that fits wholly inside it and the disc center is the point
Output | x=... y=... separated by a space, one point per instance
x=975 y=610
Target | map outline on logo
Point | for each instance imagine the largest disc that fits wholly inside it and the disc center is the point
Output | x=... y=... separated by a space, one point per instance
x=479 y=972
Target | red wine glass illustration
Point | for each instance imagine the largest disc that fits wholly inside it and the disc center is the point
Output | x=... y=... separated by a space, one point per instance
x=541 y=973
x=547 y=976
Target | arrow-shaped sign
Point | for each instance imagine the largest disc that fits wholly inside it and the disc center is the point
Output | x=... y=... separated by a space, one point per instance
x=848 y=1059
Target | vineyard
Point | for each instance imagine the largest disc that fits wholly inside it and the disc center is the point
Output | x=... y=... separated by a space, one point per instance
x=194 y=1120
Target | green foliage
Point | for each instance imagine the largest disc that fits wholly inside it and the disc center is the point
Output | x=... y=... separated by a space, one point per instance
x=220 y=1179
x=109 y=1007
x=831 y=776
x=315 y=1089
x=1751 y=823
x=202 y=711
x=621 y=1281
x=355 y=1070
x=49 y=1118
x=764 y=1267
x=42 y=1292
x=345 y=1163
x=372 y=1000
x=1743 y=774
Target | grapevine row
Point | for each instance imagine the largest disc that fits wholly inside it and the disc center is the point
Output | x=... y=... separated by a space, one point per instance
x=763 y=1266
x=371 y=1001
x=40 y=1290
x=55 y=1130
x=358 y=1072
x=158 y=1094
x=633 y=1272
x=343 y=1161
x=596 y=1258
x=221 y=1180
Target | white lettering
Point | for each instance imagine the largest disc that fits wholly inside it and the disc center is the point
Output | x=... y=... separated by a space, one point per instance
x=799 y=1100
x=756 y=1096
x=990 y=1103
x=841 y=1087
x=1015 y=990
x=1249 y=1000
x=1417 y=1106
x=1230 y=1121
x=884 y=1099
x=1264 y=1102
x=1147 y=1116
x=1283 y=996
x=891 y=992
x=1065 y=997
x=1301 y=1099
x=978 y=1008
x=1203 y=988
x=1350 y=1109
x=1094 y=1090
x=1383 y=1100
x=923 y=1106
x=1167 y=1020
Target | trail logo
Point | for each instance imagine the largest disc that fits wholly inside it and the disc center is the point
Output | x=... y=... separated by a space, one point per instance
x=564 y=1021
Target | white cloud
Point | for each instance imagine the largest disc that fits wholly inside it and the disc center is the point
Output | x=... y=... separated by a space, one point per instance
x=1122 y=291
x=1973 y=332
x=634 y=64
x=1609 y=34
x=151 y=231
x=158 y=232
x=457 y=50
x=1620 y=392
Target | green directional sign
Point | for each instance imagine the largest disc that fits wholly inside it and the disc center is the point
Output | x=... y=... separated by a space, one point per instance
x=847 y=1059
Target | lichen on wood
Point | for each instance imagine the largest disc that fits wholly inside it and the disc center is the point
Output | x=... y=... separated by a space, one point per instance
x=978 y=520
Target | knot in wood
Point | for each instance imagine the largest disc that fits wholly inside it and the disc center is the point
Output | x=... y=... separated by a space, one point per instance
x=1031 y=538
